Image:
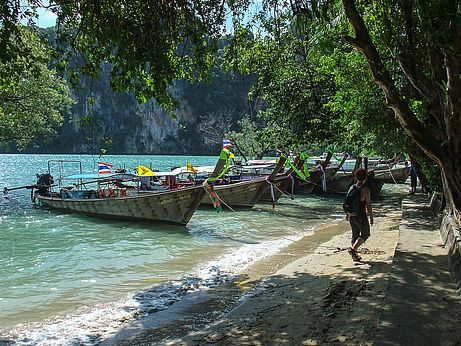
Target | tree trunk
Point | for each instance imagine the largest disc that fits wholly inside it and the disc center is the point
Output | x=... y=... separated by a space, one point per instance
x=419 y=172
x=451 y=178
x=443 y=143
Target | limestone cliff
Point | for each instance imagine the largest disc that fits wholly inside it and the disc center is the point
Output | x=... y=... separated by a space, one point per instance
x=103 y=119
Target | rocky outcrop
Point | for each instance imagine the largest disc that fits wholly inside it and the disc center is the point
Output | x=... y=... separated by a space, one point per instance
x=104 y=119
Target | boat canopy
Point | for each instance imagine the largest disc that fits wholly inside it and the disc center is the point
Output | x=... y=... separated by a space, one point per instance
x=96 y=176
x=260 y=162
x=128 y=176
x=255 y=166
x=185 y=170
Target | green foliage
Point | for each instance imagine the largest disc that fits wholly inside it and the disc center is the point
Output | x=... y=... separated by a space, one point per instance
x=291 y=88
x=148 y=43
x=14 y=45
x=33 y=108
x=312 y=90
x=432 y=172
x=255 y=140
x=33 y=99
x=369 y=126
x=24 y=51
x=315 y=89
x=208 y=110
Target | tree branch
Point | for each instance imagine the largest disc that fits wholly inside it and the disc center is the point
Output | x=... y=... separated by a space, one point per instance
x=407 y=60
x=403 y=113
x=417 y=79
x=453 y=113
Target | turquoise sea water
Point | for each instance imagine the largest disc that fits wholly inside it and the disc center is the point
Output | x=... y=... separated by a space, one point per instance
x=62 y=273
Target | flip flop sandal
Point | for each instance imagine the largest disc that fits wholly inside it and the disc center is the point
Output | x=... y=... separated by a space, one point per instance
x=354 y=255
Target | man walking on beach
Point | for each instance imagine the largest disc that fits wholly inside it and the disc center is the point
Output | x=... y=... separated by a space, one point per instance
x=358 y=203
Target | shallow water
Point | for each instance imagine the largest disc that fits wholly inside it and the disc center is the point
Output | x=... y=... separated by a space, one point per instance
x=63 y=275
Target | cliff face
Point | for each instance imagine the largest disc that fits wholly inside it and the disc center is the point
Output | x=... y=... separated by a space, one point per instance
x=157 y=131
x=103 y=119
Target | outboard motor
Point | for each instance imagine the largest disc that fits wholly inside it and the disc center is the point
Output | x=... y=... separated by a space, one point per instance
x=44 y=182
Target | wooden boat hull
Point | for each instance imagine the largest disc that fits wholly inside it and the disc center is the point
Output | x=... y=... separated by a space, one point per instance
x=375 y=186
x=245 y=193
x=395 y=175
x=304 y=187
x=281 y=184
x=172 y=206
x=342 y=181
x=330 y=174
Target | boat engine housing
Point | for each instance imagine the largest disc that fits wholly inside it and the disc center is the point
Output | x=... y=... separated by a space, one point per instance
x=44 y=182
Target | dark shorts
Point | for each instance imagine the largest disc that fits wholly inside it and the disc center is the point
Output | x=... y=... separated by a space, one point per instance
x=360 y=227
x=414 y=181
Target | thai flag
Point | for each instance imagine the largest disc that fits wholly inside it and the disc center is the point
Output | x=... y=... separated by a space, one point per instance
x=104 y=168
x=226 y=143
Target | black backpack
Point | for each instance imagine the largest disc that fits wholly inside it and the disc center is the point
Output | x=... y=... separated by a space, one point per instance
x=351 y=204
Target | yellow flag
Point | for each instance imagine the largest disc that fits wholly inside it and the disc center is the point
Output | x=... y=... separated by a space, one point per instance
x=144 y=171
x=229 y=153
x=190 y=168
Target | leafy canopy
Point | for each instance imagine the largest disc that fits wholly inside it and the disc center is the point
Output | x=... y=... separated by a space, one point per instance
x=149 y=44
x=33 y=99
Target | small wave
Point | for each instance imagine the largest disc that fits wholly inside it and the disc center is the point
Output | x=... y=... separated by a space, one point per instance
x=92 y=325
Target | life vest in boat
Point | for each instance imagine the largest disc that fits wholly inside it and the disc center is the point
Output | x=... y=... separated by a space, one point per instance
x=106 y=193
x=172 y=182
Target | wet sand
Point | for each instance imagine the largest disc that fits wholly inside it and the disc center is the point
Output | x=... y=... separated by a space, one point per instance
x=310 y=293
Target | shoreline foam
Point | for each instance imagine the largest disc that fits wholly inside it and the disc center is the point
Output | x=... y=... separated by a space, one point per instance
x=91 y=325
x=312 y=283
x=196 y=311
x=319 y=298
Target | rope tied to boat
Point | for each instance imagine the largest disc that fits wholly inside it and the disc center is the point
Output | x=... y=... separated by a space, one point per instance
x=282 y=192
x=292 y=192
x=227 y=205
x=272 y=187
x=392 y=175
x=324 y=179
x=215 y=199
x=209 y=189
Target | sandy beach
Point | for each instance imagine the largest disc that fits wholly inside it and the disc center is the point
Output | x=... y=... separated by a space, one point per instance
x=310 y=293
x=319 y=298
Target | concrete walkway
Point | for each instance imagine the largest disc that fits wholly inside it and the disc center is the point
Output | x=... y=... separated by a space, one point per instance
x=422 y=303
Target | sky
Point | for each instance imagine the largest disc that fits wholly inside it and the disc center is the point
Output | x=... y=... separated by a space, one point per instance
x=45 y=18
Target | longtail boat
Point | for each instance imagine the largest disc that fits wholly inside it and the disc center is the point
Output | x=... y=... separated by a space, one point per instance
x=244 y=192
x=290 y=183
x=279 y=185
x=390 y=171
x=116 y=196
x=323 y=174
x=343 y=180
x=171 y=206
x=397 y=174
x=282 y=183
